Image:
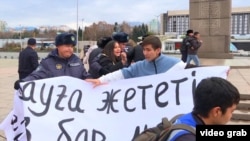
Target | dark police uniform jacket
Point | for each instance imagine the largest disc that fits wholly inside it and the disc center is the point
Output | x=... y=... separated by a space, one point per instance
x=53 y=66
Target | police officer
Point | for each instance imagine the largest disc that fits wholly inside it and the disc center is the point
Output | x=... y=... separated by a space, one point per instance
x=28 y=59
x=60 y=62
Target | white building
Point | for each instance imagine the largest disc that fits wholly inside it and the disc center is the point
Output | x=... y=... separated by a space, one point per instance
x=178 y=21
x=153 y=26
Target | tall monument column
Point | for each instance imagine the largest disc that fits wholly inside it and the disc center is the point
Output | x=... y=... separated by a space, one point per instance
x=212 y=19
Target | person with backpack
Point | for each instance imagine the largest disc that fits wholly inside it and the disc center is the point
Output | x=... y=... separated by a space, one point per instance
x=185 y=44
x=215 y=99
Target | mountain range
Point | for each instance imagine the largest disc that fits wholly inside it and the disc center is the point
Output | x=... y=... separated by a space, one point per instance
x=30 y=28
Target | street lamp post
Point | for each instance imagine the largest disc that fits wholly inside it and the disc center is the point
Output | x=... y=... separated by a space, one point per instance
x=82 y=29
x=158 y=24
x=77 y=48
x=20 y=37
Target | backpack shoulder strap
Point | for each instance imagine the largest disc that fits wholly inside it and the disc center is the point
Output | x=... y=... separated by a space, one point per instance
x=181 y=126
x=175 y=117
x=184 y=127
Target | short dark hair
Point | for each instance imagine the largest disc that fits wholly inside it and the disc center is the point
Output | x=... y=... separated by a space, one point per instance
x=189 y=31
x=103 y=41
x=32 y=41
x=152 y=40
x=214 y=92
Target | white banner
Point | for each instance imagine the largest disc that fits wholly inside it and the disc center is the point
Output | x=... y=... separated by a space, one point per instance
x=70 y=109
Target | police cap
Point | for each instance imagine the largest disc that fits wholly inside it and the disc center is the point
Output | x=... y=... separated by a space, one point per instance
x=121 y=37
x=65 y=39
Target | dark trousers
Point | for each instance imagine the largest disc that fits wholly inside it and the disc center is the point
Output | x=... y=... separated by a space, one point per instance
x=184 y=56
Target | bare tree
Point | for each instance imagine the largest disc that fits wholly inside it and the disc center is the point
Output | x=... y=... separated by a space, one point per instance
x=125 y=27
x=96 y=31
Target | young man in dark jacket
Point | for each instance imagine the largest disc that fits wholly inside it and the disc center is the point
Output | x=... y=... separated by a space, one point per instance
x=60 y=62
x=215 y=99
x=185 y=44
x=195 y=44
x=28 y=59
x=137 y=52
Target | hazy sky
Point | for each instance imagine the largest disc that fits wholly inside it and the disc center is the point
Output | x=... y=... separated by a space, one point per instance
x=64 y=12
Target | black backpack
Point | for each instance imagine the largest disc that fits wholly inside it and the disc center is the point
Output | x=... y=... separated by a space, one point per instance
x=163 y=130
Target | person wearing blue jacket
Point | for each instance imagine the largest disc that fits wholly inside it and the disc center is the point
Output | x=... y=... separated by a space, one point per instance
x=60 y=62
x=154 y=63
x=215 y=99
